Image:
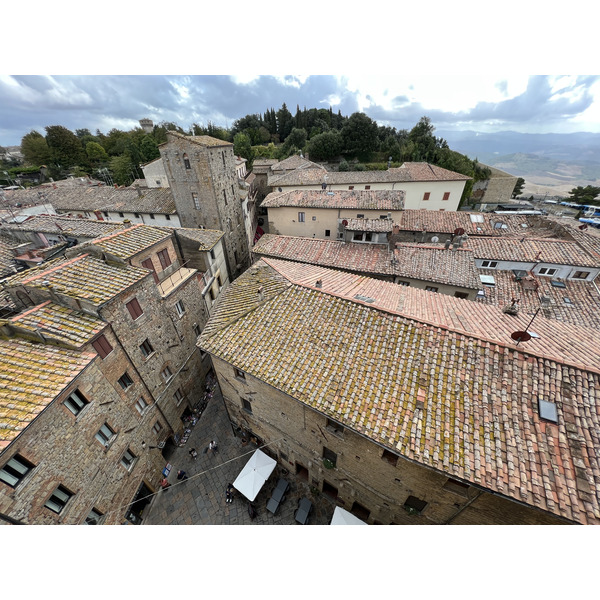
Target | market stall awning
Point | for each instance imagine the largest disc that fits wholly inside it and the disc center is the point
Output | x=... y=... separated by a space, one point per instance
x=343 y=517
x=254 y=474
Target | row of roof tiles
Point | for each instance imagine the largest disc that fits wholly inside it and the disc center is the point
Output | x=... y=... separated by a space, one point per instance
x=426 y=263
x=366 y=366
x=361 y=200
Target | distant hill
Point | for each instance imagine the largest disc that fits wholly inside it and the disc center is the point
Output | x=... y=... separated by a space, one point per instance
x=549 y=162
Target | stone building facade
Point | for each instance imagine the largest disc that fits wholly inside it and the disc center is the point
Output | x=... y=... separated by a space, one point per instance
x=409 y=407
x=202 y=176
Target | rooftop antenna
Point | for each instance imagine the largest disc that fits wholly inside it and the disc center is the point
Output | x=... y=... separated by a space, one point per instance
x=525 y=336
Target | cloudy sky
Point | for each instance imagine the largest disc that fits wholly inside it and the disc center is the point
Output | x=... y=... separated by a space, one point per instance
x=466 y=70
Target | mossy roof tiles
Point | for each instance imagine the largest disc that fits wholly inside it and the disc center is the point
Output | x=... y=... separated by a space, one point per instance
x=31 y=376
x=60 y=323
x=383 y=200
x=131 y=241
x=84 y=277
x=366 y=367
x=421 y=262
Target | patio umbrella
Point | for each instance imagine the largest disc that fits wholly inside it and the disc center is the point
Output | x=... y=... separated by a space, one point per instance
x=253 y=476
x=343 y=517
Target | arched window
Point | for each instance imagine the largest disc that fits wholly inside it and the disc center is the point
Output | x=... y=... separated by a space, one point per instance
x=186 y=161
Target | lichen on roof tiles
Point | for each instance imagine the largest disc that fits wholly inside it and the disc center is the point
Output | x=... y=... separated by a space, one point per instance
x=31 y=376
x=361 y=199
x=363 y=363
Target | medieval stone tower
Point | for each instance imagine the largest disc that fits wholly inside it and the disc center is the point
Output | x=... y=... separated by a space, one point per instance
x=201 y=173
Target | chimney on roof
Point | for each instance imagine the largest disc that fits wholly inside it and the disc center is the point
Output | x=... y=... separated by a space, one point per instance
x=261 y=296
x=319 y=283
x=447 y=244
x=138 y=190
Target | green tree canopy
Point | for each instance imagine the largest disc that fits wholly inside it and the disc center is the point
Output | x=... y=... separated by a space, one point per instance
x=285 y=122
x=518 y=187
x=359 y=136
x=95 y=152
x=242 y=146
x=122 y=169
x=65 y=146
x=35 y=149
x=325 y=146
x=585 y=195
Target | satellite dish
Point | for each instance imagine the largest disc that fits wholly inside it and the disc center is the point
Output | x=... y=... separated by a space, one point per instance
x=459 y=231
x=435 y=239
x=520 y=336
x=345 y=223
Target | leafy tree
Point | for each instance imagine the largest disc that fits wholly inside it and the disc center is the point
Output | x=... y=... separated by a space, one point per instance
x=65 y=146
x=518 y=187
x=325 y=146
x=95 y=152
x=297 y=139
x=122 y=169
x=343 y=166
x=425 y=144
x=115 y=141
x=285 y=122
x=149 y=149
x=585 y=195
x=35 y=149
x=359 y=136
x=81 y=133
x=243 y=147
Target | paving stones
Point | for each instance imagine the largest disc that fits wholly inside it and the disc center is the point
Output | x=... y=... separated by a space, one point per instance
x=200 y=500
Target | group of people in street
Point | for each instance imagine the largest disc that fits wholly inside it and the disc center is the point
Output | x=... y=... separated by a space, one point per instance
x=182 y=475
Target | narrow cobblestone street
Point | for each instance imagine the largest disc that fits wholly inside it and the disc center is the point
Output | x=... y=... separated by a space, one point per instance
x=200 y=500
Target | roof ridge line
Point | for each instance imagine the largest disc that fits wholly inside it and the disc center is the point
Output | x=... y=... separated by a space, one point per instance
x=422 y=321
x=55 y=268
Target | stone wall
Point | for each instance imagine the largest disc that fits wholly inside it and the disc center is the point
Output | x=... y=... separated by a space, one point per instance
x=364 y=473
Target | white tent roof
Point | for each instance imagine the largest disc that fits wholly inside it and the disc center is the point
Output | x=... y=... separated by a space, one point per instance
x=343 y=517
x=254 y=474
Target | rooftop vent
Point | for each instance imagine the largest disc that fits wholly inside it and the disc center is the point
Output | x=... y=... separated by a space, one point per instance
x=319 y=283
x=547 y=411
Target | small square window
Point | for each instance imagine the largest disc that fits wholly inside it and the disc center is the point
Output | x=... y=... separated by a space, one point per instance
x=134 y=308
x=141 y=405
x=136 y=215
x=327 y=232
x=580 y=275
x=334 y=427
x=548 y=411
x=178 y=396
x=168 y=217
x=128 y=459
x=314 y=218
x=146 y=348
x=301 y=217
x=404 y=283
x=121 y=214
x=489 y=264
x=247 y=405
x=547 y=271
x=446 y=196
x=360 y=216
x=180 y=308
x=105 y=435
x=57 y=502
x=367 y=187
x=358 y=236
x=151 y=216
x=15 y=470
x=239 y=374
x=197 y=329
x=329 y=456
x=76 y=402
x=390 y=457
x=350 y=187
x=414 y=505
x=157 y=428
x=426 y=195
x=94 y=518
x=125 y=381
x=430 y=288
x=166 y=374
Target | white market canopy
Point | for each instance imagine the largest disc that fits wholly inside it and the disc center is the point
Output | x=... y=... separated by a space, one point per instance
x=343 y=517
x=253 y=476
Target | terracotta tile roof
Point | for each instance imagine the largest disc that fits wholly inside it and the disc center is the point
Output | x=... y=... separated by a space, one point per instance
x=31 y=376
x=408 y=172
x=6 y=258
x=201 y=140
x=361 y=200
x=102 y=198
x=205 y=238
x=66 y=226
x=366 y=368
x=295 y=162
x=474 y=224
x=374 y=225
x=131 y=241
x=424 y=263
x=61 y=323
x=583 y=308
x=84 y=277
x=560 y=252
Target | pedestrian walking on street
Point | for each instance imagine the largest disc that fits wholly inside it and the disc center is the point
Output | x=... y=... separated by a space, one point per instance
x=181 y=475
x=164 y=484
x=213 y=447
x=193 y=453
